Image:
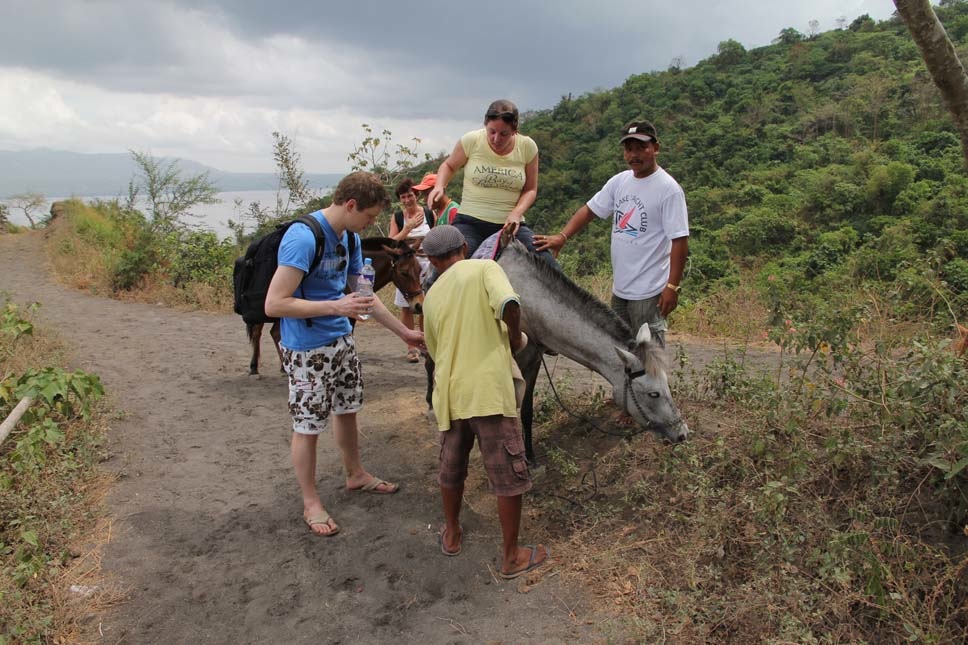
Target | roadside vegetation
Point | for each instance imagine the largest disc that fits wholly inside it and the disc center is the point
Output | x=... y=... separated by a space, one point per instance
x=50 y=487
x=823 y=502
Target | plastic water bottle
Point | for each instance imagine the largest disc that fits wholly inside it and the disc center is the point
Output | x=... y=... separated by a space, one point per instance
x=364 y=286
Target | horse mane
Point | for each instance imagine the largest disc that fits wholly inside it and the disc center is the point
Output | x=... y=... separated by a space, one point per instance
x=653 y=358
x=651 y=354
x=591 y=307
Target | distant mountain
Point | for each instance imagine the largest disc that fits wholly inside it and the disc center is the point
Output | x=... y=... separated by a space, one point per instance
x=56 y=173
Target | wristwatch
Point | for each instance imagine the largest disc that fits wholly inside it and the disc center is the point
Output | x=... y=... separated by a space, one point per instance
x=674 y=287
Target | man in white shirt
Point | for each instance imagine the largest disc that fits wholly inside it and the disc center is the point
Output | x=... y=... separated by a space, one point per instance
x=650 y=232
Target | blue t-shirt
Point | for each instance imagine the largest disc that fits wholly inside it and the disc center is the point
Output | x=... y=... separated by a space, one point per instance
x=327 y=282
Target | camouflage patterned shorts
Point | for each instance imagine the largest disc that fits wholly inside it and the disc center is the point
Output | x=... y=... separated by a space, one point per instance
x=324 y=380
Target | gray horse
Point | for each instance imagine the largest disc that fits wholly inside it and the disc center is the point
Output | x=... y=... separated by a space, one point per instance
x=560 y=316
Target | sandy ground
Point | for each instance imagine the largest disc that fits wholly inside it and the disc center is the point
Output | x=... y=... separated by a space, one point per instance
x=208 y=538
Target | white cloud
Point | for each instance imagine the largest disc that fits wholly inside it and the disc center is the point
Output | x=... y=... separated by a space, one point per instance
x=212 y=80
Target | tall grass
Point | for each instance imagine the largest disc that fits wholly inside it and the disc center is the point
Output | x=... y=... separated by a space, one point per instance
x=107 y=249
x=828 y=503
x=50 y=488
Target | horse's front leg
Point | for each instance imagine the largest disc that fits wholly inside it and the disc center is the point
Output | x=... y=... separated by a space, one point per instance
x=254 y=333
x=276 y=333
x=529 y=361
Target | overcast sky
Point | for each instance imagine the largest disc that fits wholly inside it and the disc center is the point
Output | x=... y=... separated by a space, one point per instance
x=210 y=80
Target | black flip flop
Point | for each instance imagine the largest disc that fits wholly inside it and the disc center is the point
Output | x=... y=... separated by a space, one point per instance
x=532 y=565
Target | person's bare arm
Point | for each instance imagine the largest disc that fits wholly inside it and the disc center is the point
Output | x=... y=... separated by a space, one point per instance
x=447 y=169
x=529 y=192
x=574 y=226
x=669 y=298
x=383 y=316
x=512 y=318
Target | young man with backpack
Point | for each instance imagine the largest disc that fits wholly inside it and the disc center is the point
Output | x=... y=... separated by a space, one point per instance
x=320 y=355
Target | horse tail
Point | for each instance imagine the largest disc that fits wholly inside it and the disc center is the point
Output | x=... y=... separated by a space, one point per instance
x=249 y=330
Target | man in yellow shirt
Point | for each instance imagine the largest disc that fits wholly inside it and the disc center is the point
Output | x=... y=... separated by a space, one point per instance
x=472 y=324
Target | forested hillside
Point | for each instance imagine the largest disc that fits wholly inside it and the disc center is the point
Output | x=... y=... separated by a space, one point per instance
x=813 y=163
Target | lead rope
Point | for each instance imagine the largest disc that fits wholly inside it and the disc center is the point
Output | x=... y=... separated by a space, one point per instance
x=627 y=393
x=591 y=469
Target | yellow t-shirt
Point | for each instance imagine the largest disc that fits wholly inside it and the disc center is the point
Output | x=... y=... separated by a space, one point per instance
x=469 y=342
x=493 y=182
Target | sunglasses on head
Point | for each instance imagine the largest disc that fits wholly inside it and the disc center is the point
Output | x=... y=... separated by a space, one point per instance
x=341 y=253
x=507 y=117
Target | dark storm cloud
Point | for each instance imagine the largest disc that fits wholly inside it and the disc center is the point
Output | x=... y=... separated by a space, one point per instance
x=426 y=59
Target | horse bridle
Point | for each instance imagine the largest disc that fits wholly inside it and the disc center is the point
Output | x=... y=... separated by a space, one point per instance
x=631 y=375
x=409 y=295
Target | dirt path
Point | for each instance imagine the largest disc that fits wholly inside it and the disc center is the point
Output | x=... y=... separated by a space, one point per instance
x=208 y=536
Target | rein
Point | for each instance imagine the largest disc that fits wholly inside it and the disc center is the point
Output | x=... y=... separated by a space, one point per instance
x=627 y=392
x=630 y=394
x=586 y=420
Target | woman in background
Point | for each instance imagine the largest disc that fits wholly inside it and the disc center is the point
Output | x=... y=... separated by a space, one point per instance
x=409 y=222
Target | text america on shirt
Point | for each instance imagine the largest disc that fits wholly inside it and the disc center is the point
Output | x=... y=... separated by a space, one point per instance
x=497 y=177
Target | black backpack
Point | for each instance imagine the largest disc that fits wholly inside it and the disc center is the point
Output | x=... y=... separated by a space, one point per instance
x=253 y=271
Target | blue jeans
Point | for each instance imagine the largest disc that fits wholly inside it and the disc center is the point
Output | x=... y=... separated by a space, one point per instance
x=476 y=231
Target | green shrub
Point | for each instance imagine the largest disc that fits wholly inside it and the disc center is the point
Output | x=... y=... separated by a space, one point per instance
x=830 y=250
x=886 y=183
x=200 y=257
x=881 y=258
x=955 y=273
x=137 y=262
x=759 y=232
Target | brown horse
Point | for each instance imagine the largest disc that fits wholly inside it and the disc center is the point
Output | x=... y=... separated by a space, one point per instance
x=394 y=261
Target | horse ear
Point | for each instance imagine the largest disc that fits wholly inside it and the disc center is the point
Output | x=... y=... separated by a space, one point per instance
x=629 y=359
x=644 y=336
x=391 y=250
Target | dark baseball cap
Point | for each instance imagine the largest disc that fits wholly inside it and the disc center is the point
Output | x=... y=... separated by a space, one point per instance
x=441 y=240
x=640 y=130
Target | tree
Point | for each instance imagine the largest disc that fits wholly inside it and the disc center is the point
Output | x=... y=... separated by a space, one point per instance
x=789 y=36
x=4 y=217
x=729 y=53
x=862 y=23
x=373 y=155
x=28 y=203
x=941 y=60
x=290 y=174
x=169 y=195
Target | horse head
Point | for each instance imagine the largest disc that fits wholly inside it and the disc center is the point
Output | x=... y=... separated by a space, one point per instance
x=405 y=272
x=645 y=395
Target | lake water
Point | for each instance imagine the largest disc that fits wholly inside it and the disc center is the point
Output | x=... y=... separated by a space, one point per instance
x=206 y=216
